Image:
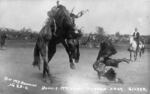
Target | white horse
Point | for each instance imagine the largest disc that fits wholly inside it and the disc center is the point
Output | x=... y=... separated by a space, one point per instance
x=133 y=48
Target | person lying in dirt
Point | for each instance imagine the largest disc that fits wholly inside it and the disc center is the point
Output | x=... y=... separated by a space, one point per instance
x=104 y=64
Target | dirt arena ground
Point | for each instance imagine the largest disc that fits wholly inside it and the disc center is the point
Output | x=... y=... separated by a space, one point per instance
x=17 y=75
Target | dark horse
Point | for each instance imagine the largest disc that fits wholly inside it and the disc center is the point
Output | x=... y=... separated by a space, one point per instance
x=107 y=49
x=46 y=42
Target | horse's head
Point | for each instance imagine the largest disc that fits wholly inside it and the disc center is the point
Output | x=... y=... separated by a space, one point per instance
x=107 y=49
x=73 y=45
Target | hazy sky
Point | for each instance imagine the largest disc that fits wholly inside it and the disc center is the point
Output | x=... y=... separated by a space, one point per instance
x=112 y=15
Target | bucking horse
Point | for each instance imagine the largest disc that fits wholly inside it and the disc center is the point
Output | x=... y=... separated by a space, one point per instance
x=59 y=28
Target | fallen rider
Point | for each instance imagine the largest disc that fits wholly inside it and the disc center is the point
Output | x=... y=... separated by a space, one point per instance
x=104 y=65
x=104 y=68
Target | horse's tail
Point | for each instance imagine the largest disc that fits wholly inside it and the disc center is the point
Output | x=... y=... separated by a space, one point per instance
x=36 y=61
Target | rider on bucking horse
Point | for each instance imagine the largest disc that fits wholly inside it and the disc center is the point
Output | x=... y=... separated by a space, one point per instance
x=53 y=14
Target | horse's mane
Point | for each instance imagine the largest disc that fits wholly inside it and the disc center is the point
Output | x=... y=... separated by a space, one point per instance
x=46 y=31
x=47 y=25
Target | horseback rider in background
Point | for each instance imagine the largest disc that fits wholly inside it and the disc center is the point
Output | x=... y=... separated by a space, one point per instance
x=3 y=37
x=136 y=36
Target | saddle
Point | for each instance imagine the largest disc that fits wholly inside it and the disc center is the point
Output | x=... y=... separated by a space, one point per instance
x=60 y=14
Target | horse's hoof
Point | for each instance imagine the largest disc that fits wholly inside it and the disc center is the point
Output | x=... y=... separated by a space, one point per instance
x=72 y=66
x=76 y=61
x=38 y=66
x=49 y=81
x=118 y=80
x=46 y=80
x=50 y=77
x=99 y=77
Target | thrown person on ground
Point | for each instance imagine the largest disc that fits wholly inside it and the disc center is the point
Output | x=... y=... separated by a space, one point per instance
x=104 y=60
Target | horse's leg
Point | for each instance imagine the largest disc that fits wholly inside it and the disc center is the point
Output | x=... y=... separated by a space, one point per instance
x=136 y=52
x=143 y=50
x=51 y=52
x=72 y=66
x=0 y=45
x=44 y=51
x=3 y=42
x=140 y=52
x=36 y=61
x=130 y=55
x=135 y=55
x=78 y=52
x=99 y=75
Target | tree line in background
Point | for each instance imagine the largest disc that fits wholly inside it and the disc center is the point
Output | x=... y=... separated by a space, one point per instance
x=87 y=40
x=23 y=34
x=117 y=37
